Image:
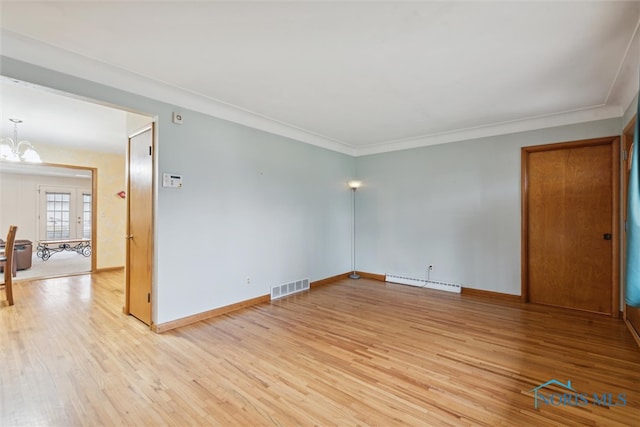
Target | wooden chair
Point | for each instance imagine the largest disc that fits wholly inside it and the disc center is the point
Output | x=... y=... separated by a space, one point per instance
x=8 y=263
x=14 y=270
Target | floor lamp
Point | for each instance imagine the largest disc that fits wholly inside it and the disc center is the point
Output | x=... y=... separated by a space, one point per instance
x=354 y=185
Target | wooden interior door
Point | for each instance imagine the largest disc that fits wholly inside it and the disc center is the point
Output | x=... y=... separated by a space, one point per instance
x=631 y=314
x=140 y=228
x=571 y=225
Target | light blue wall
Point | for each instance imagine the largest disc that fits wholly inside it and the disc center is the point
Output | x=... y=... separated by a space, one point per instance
x=253 y=204
x=273 y=209
x=454 y=206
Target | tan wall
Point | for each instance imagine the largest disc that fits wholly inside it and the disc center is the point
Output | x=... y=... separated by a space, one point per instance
x=111 y=209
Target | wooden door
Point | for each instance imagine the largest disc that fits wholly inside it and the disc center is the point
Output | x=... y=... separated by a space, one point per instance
x=631 y=314
x=571 y=225
x=140 y=225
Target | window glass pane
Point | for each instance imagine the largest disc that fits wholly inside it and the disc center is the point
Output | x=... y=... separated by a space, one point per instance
x=86 y=216
x=58 y=215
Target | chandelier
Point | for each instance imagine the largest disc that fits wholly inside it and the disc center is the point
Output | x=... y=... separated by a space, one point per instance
x=14 y=150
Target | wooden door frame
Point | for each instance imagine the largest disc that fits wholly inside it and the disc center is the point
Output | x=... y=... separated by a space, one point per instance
x=152 y=126
x=614 y=141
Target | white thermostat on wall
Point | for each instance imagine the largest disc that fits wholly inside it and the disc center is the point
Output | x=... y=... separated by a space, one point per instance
x=171 y=180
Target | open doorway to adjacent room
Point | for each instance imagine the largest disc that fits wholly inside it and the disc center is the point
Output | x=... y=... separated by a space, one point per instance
x=75 y=199
x=53 y=206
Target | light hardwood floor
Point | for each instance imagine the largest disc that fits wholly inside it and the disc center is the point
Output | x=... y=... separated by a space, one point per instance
x=354 y=353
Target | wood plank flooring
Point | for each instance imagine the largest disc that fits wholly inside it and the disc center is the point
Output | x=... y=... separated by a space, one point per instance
x=354 y=353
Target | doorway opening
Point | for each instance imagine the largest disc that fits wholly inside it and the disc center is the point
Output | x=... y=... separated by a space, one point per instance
x=49 y=202
x=74 y=134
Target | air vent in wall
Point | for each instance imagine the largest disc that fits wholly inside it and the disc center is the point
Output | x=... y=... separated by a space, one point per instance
x=289 y=288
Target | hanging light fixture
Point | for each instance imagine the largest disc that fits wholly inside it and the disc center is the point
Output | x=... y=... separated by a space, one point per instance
x=18 y=151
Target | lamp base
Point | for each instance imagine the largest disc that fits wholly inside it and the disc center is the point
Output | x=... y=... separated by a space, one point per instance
x=354 y=275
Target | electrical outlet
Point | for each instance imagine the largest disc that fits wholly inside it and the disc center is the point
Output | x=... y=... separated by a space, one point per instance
x=248 y=280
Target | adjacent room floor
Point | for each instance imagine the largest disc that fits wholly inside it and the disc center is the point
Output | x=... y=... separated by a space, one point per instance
x=358 y=352
x=61 y=263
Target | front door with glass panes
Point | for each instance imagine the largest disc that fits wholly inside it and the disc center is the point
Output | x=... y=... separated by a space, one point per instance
x=65 y=213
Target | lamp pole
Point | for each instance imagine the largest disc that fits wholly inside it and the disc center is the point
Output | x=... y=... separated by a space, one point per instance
x=354 y=186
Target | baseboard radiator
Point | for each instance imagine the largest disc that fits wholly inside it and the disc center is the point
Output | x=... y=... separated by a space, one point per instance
x=422 y=283
x=289 y=288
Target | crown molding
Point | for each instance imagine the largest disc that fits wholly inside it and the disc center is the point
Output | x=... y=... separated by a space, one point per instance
x=48 y=56
x=54 y=58
x=625 y=84
x=548 y=121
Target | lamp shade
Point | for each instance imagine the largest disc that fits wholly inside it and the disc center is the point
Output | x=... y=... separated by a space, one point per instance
x=30 y=155
x=15 y=150
x=354 y=184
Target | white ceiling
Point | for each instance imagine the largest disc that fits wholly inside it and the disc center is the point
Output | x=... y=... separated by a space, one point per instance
x=352 y=76
x=51 y=118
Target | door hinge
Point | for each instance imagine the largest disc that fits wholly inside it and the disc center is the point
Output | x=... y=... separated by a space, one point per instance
x=148 y=297
x=149 y=150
